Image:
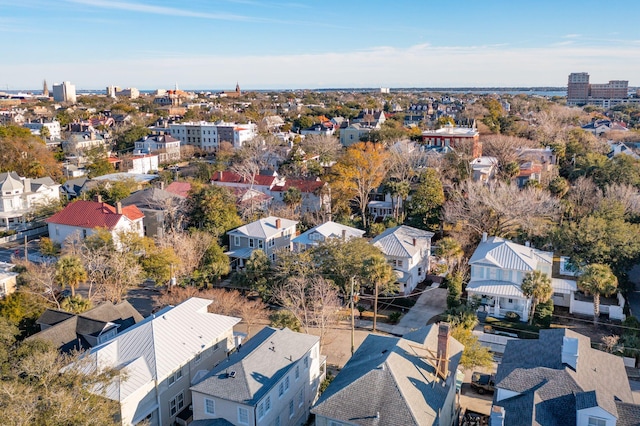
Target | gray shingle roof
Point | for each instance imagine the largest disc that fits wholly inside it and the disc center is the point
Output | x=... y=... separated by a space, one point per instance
x=551 y=391
x=258 y=368
x=398 y=241
x=388 y=381
x=152 y=198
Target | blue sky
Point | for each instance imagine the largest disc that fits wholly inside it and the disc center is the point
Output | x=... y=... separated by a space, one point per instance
x=311 y=44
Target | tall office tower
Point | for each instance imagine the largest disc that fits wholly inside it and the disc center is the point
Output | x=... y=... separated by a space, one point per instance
x=578 y=88
x=64 y=92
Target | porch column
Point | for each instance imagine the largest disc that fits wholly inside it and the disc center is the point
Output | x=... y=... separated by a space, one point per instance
x=525 y=310
x=496 y=308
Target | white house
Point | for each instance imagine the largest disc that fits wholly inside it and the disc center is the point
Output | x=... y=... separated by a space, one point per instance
x=320 y=233
x=209 y=135
x=160 y=357
x=140 y=163
x=269 y=235
x=273 y=379
x=167 y=147
x=408 y=250
x=498 y=267
x=36 y=128
x=20 y=195
x=83 y=218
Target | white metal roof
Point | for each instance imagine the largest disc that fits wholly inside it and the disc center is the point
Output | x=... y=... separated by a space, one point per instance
x=561 y=285
x=328 y=230
x=505 y=254
x=495 y=288
x=398 y=241
x=264 y=228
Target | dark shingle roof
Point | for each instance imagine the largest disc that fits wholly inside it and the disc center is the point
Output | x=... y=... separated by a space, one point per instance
x=551 y=391
x=258 y=368
x=628 y=414
x=401 y=386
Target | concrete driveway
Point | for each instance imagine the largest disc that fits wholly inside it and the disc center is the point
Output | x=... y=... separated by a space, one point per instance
x=430 y=303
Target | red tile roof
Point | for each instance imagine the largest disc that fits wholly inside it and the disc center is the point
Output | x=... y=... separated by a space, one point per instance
x=231 y=177
x=91 y=214
x=179 y=188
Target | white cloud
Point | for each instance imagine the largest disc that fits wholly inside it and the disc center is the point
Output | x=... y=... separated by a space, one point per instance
x=416 y=66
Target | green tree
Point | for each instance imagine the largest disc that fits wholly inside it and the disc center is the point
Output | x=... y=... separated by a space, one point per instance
x=45 y=133
x=159 y=263
x=112 y=191
x=597 y=280
x=292 y=197
x=70 y=272
x=215 y=265
x=474 y=354
x=381 y=275
x=76 y=304
x=213 y=208
x=536 y=285
x=450 y=250
x=427 y=200
x=255 y=274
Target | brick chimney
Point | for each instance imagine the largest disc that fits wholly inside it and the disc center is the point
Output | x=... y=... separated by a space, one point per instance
x=278 y=223
x=97 y=198
x=443 y=349
x=414 y=242
x=118 y=207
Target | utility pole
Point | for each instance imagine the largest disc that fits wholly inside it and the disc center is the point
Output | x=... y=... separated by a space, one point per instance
x=353 y=324
x=26 y=252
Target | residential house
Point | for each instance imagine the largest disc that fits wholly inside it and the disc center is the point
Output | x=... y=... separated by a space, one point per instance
x=20 y=196
x=498 y=267
x=452 y=138
x=409 y=380
x=371 y=118
x=209 y=135
x=321 y=233
x=323 y=129
x=529 y=171
x=600 y=127
x=259 y=182
x=559 y=379
x=81 y=219
x=160 y=208
x=81 y=142
x=618 y=148
x=272 y=379
x=73 y=188
x=269 y=235
x=160 y=357
x=53 y=127
x=408 y=250
x=7 y=279
x=314 y=199
x=354 y=133
x=179 y=188
x=484 y=168
x=166 y=147
x=138 y=163
x=70 y=332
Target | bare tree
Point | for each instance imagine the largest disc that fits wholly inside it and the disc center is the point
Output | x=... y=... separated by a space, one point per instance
x=327 y=148
x=584 y=196
x=626 y=195
x=312 y=300
x=189 y=247
x=505 y=148
x=41 y=280
x=501 y=210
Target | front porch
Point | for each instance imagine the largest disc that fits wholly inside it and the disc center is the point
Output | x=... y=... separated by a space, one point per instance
x=499 y=297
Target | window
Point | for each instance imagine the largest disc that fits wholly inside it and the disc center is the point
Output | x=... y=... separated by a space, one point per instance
x=281 y=389
x=267 y=404
x=243 y=416
x=209 y=406
x=198 y=358
x=260 y=410
x=420 y=271
x=260 y=243
x=286 y=383
x=301 y=397
x=174 y=377
x=291 y=409
x=596 y=421
x=216 y=346
x=297 y=372
x=306 y=362
x=252 y=243
x=176 y=404
x=510 y=300
x=236 y=241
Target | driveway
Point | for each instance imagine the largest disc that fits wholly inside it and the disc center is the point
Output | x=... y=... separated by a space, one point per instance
x=430 y=303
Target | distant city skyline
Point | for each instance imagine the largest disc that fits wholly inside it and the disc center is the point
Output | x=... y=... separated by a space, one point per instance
x=203 y=44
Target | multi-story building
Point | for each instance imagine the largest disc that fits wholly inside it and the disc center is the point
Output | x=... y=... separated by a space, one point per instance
x=453 y=138
x=20 y=195
x=36 y=128
x=606 y=95
x=578 y=88
x=208 y=136
x=64 y=92
x=129 y=92
x=273 y=379
x=167 y=147
x=269 y=235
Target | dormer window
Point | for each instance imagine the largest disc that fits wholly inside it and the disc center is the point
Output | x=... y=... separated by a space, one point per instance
x=596 y=421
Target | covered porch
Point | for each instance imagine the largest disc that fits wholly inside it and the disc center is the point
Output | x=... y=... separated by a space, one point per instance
x=238 y=258
x=499 y=297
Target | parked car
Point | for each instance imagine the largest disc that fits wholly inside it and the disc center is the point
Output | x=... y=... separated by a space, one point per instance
x=482 y=383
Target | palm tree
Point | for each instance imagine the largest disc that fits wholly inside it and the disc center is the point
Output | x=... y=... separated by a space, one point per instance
x=450 y=250
x=380 y=273
x=598 y=280
x=71 y=272
x=537 y=285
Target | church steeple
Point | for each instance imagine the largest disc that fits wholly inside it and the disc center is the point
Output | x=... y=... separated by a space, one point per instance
x=45 y=89
x=237 y=88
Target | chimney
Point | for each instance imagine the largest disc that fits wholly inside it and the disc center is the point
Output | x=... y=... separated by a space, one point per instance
x=527 y=243
x=97 y=198
x=278 y=223
x=484 y=237
x=414 y=242
x=497 y=416
x=27 y=185
x=443 y=349
x=118 y=207
x=570 y=352
x=344 y=235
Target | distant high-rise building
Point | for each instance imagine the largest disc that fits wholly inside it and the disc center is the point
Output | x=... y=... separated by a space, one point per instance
x=578 y=88
x=614 y=89
x=64 y=92
x=45 y=89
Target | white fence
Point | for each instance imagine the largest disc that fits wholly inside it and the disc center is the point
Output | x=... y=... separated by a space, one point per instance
x=41 y=230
